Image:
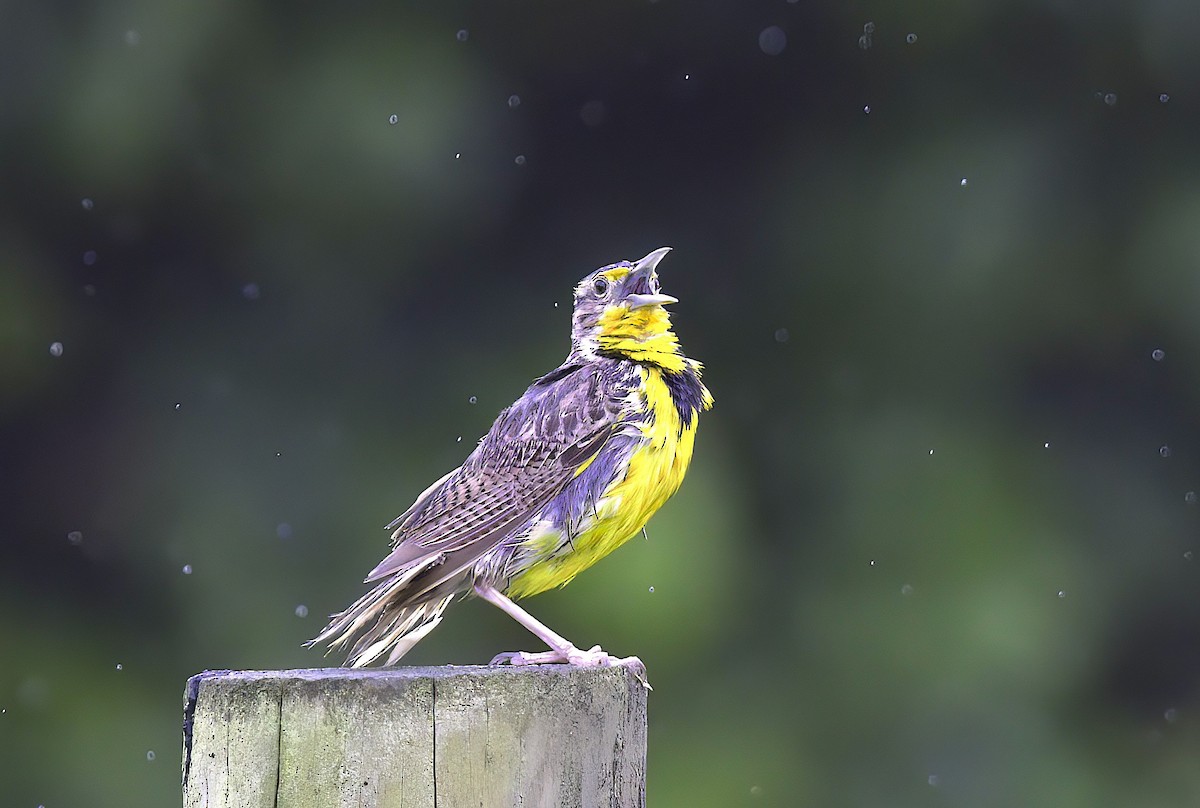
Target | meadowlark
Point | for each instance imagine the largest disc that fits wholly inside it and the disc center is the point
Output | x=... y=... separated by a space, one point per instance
x=569 y=472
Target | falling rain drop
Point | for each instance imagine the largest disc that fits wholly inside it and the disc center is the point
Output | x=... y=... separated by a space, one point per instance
x=934 y=780
x=519 y=159
x=872 y=562
x=931 y=452
x=1171 y=715
x=177 y=406
x=251 y=291
x=1190 y=497
x=867 y=109
x=283 y=530
x=514 y=101
x=1046 y=445
x=472 y=400
x=651 y=589
x=906 y=589
x=132 y=37
x=910 y=39
x=1164 y=451
x=457 y=155
x=458 y=439
x=393 y=119
x=56 y=349
x=1110 y=99
x=462 y=35
x=962 y=183
x=150 y=755
x=1158 y=354
x=120 y=667
x=687 y=76
x=75 y=537
x=187 y=569
x=89 y=258
x=1061 y=594
x=302 y=611
x=781 y=335
x=1164 y=98
x=1188 y=555
x=88 y=204
x=772 y=40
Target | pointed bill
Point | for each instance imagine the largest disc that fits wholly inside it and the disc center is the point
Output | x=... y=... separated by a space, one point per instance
x=645 y=269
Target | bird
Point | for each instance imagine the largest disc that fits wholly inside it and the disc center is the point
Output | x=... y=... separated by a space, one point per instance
x=570 y=471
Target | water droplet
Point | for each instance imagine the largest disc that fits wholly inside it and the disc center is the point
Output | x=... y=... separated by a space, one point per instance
x=251 y=291
x=457 y=155
x=1164 y=451
x=872 y=562
x=593 y=113
x=75 y=537
x=514 y=101
x=1188 y=555
x=1062 y=593
x=302 y=611
x=132 y=37
x=150 y=755
x=1190 y=497
x=120 y=667
x=177 y=406
x=187 y=569
x=781 y=335
x=472 y=400
x=772 y=40
x=283 y=530
x=556 y=304
x=906 y=589
x=519 y=159
x=931 y=451
x=869 y=28
x=1046 y=445
x=867 y=109
x=1171 y=715
x=56 y=349
x=755 y=791
x=458 y=439
x=89 y=290
x=651 y=589
x=1158 y=354
x=1110 y=99
x=934 y=780
x=1164 y=98
x=89 y=258
x=88 y=204
x=910 y=39
x=279 y=454
x=462 y=35
x=687 y=76
x=962 y=183
x=864 y=42
x=393 y=119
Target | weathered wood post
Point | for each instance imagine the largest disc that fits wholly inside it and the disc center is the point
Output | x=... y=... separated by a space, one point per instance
x=547 y=735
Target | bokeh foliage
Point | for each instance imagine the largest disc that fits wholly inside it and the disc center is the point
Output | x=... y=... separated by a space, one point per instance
x=937 y=545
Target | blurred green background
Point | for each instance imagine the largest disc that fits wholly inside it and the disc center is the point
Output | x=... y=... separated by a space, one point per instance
x=942 y=262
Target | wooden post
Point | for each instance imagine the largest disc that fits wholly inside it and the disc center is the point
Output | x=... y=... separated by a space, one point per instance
x=546 y=735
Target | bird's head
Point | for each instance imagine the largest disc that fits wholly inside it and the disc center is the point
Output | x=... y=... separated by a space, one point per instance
x=619 y=312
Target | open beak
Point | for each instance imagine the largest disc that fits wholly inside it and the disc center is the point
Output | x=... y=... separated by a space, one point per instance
x=640 y=276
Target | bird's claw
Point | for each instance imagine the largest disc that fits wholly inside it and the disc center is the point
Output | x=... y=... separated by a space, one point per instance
x=594 y=657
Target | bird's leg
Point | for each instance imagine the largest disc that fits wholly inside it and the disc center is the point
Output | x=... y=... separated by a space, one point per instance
x=562 y=649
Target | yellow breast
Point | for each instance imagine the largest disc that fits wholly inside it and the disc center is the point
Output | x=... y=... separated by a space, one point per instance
x=653 y=473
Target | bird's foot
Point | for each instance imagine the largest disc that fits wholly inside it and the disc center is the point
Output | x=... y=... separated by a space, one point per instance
x=594 y=657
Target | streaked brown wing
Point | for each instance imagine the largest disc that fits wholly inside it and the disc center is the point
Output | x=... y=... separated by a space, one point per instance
x=501 y=487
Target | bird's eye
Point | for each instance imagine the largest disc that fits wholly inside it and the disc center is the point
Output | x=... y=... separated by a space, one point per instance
x=600 y=287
